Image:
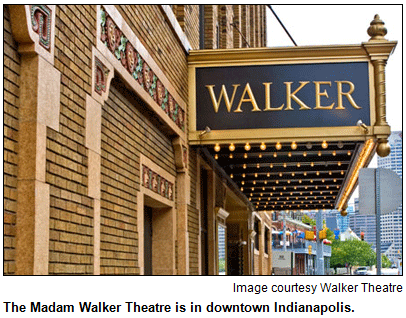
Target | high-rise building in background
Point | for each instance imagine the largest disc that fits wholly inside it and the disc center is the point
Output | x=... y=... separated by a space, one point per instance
x=363 y=223
x=394 y=160
x=391 y=223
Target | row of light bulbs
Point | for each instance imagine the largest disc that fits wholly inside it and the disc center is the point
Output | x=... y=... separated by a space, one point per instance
x=275 y=154
x=244 y=166
x=298 y=206
x=278 y=146
x=300 y=180
x=291 y=173
x=295 y=188
x=297 y=198
x=293 y=202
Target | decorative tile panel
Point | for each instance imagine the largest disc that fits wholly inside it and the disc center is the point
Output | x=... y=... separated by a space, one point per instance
x=41 y=17
x=137 y=67
x=156 y=183
x=101 y=73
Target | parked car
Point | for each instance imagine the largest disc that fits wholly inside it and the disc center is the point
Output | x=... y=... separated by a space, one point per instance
x=361 y=271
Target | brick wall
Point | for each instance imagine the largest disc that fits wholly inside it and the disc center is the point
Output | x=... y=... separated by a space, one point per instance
x=210 y=27
x=192 y=25
x=11 y=83
x=226 y=30
x=188 y=19
x=245 y=24
x=193 y=217
x=127 y=132
x=237 y=38
x=71 y=210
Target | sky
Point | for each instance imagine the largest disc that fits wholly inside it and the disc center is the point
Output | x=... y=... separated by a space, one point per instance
x=344 y=24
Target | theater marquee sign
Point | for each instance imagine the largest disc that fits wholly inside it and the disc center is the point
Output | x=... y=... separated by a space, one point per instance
x=270 y=94
x=276 y=96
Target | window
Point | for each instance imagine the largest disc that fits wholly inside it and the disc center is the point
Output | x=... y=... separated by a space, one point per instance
x=266 y=245
x=256 y=229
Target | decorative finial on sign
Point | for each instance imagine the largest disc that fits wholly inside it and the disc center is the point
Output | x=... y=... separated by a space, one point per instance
x=383 y=148
x=377 y=30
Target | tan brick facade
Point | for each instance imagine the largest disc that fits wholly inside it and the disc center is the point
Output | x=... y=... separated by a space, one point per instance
x=99 y=145
x=11 y=127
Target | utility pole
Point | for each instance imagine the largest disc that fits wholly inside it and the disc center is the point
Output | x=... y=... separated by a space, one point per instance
x=378 y=221
x=319 y=245
x=284 y=230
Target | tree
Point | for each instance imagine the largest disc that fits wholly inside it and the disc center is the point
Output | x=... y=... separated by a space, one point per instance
x=385 y=261
x=353 y=253
x=308 y=220
x=330 y=235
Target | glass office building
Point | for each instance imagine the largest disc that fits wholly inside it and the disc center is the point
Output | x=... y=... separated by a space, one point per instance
x=391 y=224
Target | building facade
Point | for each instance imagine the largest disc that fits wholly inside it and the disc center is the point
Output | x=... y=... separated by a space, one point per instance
x=99 y=177
x=106 y=170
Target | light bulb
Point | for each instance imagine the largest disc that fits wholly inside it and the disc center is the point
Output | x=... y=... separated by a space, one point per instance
x=324 y=144
x=263 y=146
x=231 y=147
x=278 y=146
x=247 y=147
x=217 y=147
x=293 y=145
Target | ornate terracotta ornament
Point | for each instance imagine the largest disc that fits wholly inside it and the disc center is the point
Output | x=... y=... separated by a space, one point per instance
x=147 y=76
x=131 y=58
x=156 y=183
x=113 y=34
x=41 y=24
x=100 y=77
x=160 y=93
x=124 y=51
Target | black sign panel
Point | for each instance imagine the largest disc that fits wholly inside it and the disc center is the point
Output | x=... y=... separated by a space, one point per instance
x=282 y=96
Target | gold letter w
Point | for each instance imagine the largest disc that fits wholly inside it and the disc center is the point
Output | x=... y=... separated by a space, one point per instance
x=216 y=103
